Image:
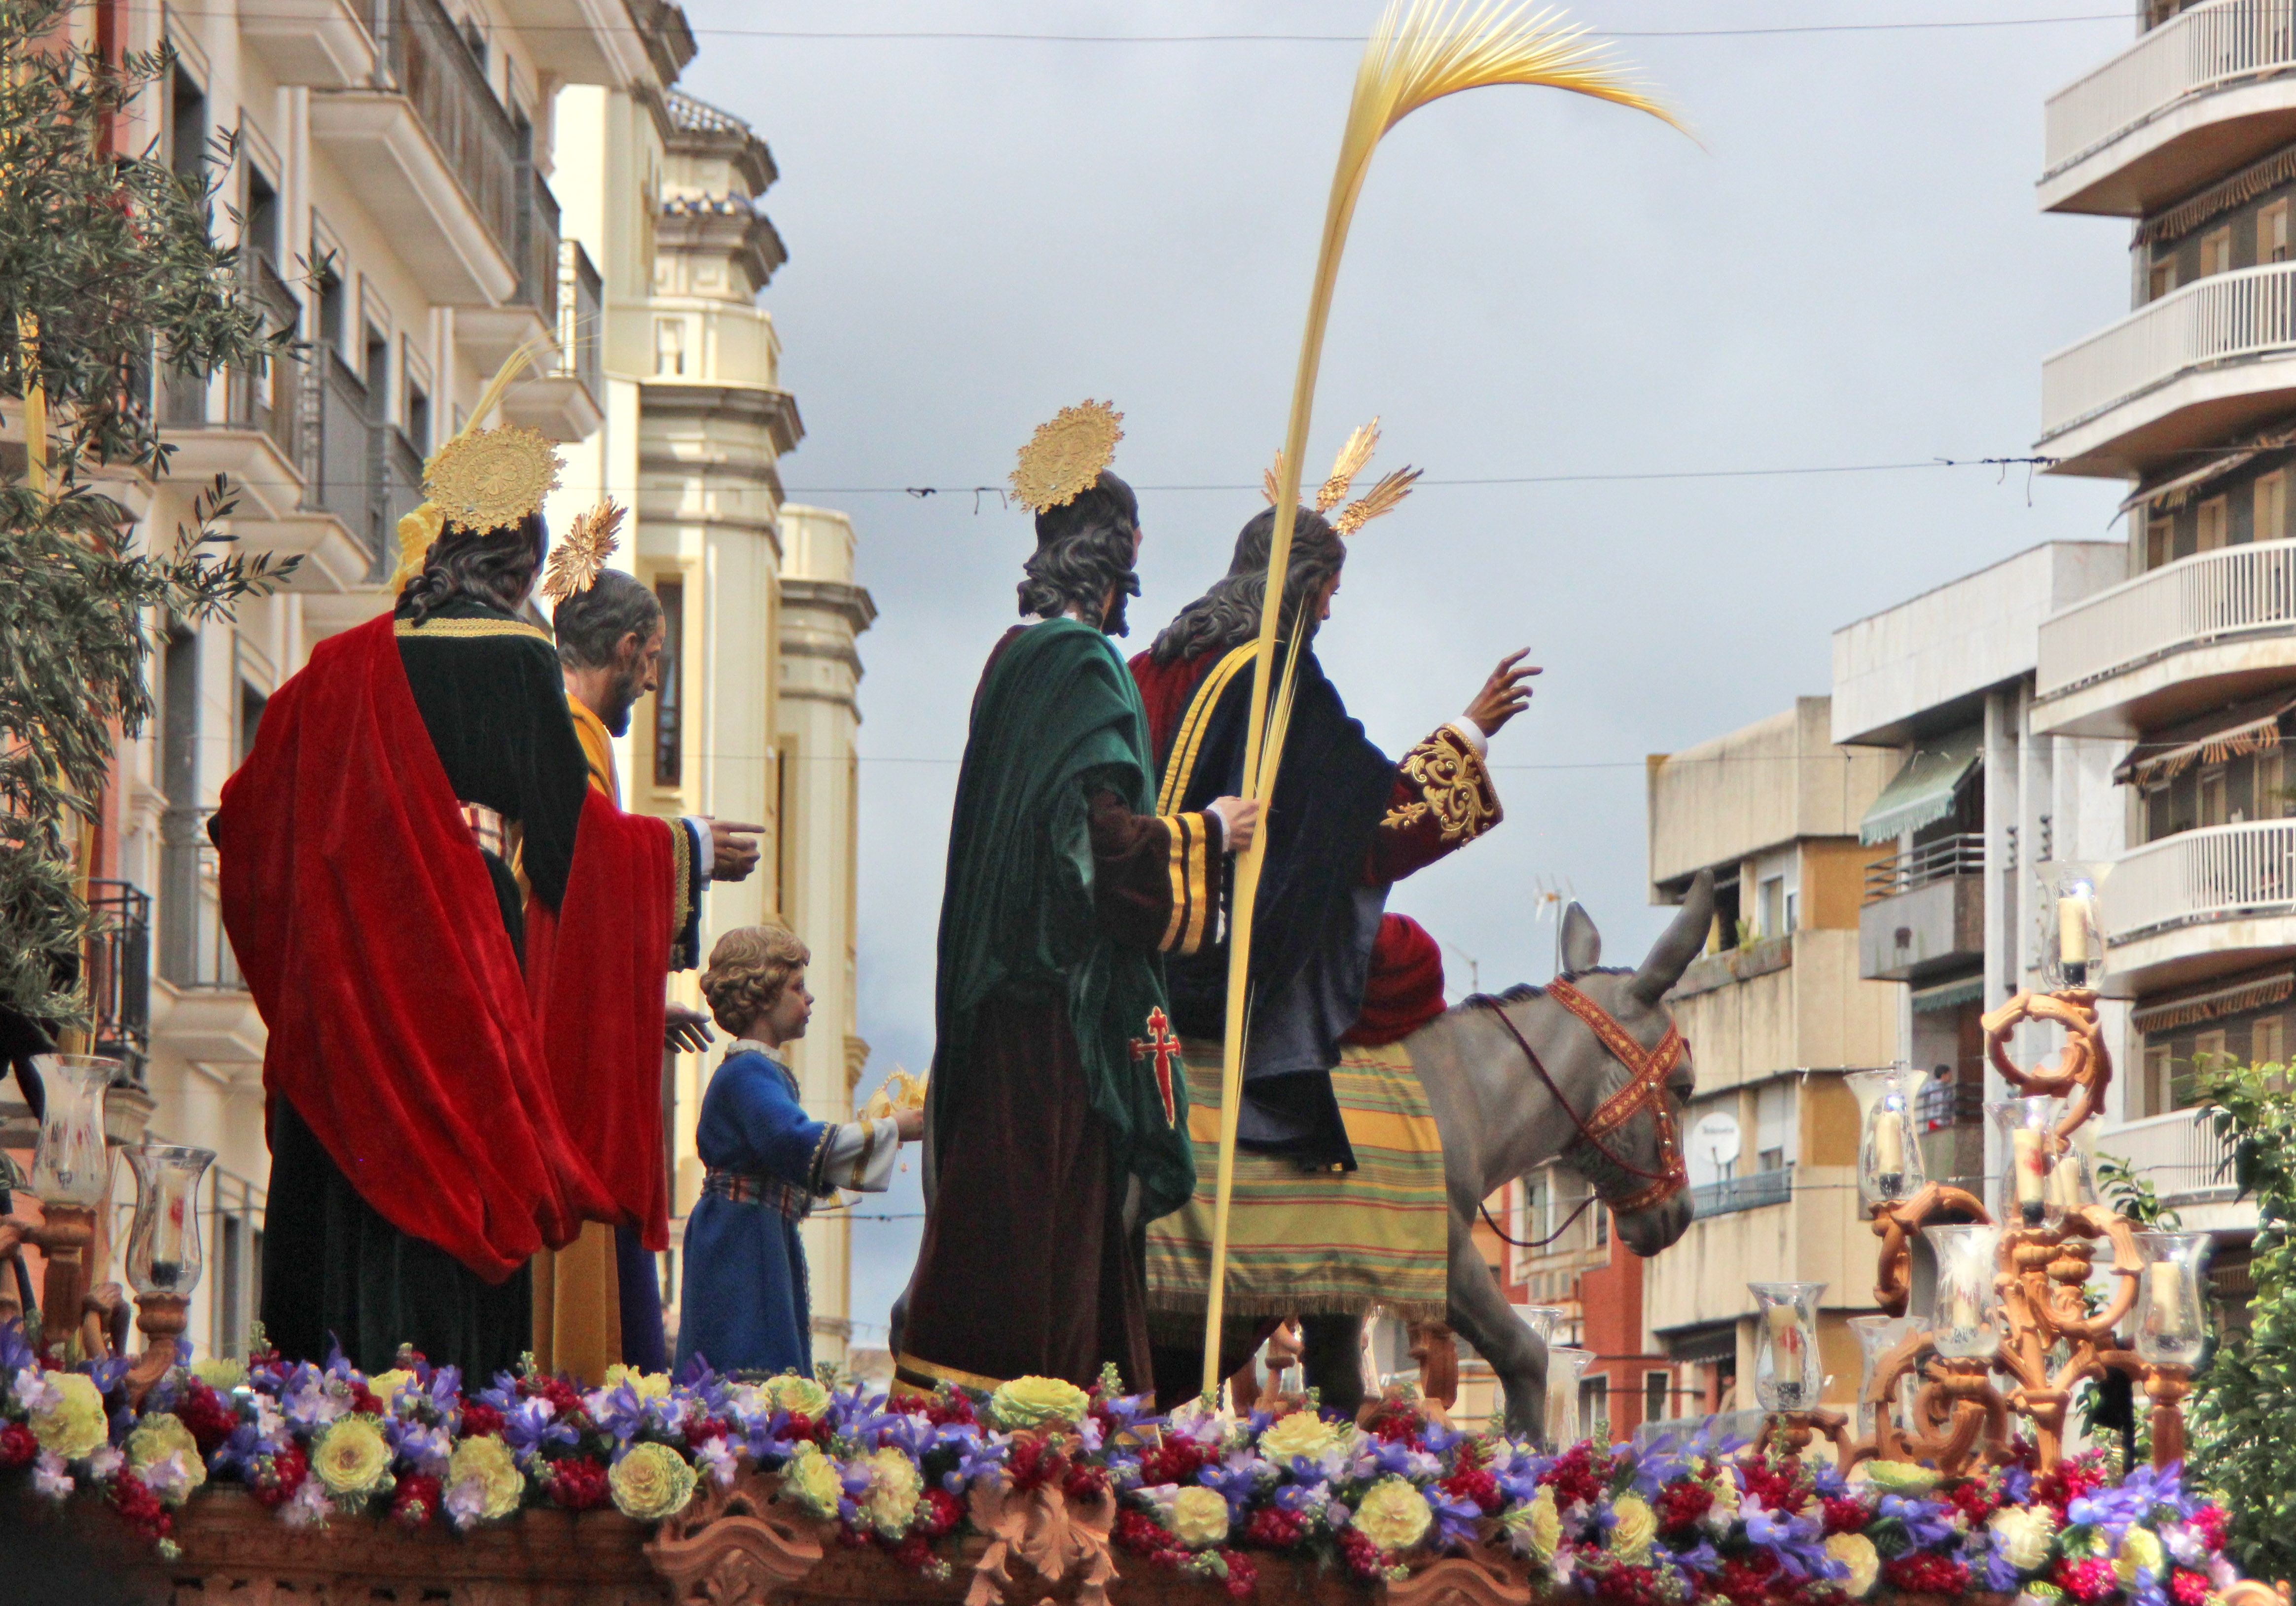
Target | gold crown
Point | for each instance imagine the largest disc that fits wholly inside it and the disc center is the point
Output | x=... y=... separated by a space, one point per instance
x=575 y=561
x=481 y=478
x=1064 y=456
x=1354 y=453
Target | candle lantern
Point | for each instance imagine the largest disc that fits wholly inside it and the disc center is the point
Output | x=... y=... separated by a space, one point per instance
x=2172 y=1321
x=71 y=1166
x=2021 y=1189
x=1565 y=1366
x=1787 y=1374
x=1542 y=1320
x=2071 y=933
x=163 y=1244
x=1889 y=1150
x=1877 y=1336
x=1965 y=1312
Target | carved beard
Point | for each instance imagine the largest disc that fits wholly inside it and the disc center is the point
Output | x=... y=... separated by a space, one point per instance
x=620 y=700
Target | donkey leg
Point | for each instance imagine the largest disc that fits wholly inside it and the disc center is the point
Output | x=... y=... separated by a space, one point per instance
x=1480 y=1311
x=1331 y=1350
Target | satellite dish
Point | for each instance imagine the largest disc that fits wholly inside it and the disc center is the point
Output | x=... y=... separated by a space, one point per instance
x=1716 y=1138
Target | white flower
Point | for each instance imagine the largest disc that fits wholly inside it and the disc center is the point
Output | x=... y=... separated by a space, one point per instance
x=1856 y=1552
x=308 y=1507
x=715 y=1457
x=172 y=1480
x=2022 y=1535
x=105 y=1463
x=49 y=1477
x=465 y=1503
x=33 y=1390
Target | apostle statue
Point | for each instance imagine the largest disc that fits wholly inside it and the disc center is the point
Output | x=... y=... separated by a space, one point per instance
x=458 y=945
x=1057 y=1115
x=1345 y=824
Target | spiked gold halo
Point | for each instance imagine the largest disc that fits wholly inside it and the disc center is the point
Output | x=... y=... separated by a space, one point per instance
x=575 y=561
x=491 y=478
x=1066 y=454
x=1354 y=453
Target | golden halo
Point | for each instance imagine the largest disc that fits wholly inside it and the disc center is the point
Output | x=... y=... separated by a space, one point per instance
x=491 y=478
x=1064 y=456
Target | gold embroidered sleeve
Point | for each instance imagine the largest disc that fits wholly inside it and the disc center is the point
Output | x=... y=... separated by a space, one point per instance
x=1443 y=800
x=1194 y=866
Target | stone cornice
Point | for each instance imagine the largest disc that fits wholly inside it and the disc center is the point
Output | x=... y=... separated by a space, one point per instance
x=773 y=411
x=853 y=603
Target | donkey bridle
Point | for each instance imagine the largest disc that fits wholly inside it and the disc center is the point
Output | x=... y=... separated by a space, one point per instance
x=1648 y=1070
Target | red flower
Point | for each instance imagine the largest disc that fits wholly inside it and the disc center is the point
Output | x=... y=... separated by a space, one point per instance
x=416 y=1499
x=2209 y=1523
x=1974 y=1500
x=1627 y=1586
x=139 y=1507
x=2091 y=1582
x=1846 y=1515
x=578 y=1483
x=951 y=1407
x=18 y=1447
x=1472 y=1483
x=205 y=1414
x=1085 y=1483
x=1242 y=1573
x=1174 y=1460
x=276 y=1477
x=2187 y=1587
x=1573 y=1477
x=914 y=1552
x=1136 y=1530
x=562 y=1394
x=1919 y=1573
x=1272 y=1528
x=701 y=1429
x=1361 y=1555
x=479 y=1419
x=1682 y=1505
x=363 y=1400
x=1745 y=1580
x=1777 y=1485
x=942 y=1513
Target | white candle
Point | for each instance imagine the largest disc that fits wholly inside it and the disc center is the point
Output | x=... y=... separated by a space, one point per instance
x=2072 y=929
x=2064 y=1184
x=2168 y=1290
x=1889 y=1142
x=1962 y=1312
x=2025 y=1145
x=1785 y=1331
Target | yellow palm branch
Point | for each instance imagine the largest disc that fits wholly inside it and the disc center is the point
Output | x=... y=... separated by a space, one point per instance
x=1421 y=52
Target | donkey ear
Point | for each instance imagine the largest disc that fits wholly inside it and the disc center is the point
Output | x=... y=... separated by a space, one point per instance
x=1681 y=943
x=1582 y=945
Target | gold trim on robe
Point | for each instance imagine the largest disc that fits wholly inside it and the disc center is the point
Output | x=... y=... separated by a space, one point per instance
x=438 y=628
x=1455 y=789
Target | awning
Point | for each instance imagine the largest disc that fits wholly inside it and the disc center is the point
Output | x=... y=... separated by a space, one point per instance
x=1924 y=791
x=2176 y=491
x=2259 y=732
x=2233 y=1000
x=1947 y=996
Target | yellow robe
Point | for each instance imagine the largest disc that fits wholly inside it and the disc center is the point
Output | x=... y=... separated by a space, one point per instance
x=577 y=1309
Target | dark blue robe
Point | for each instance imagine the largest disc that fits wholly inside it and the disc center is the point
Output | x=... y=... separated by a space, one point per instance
x=746 y=1305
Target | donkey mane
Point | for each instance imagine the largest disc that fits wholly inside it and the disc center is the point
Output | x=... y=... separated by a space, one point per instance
x=1522 y=991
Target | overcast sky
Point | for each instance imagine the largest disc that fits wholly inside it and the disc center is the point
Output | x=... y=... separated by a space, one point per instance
x=1851 y=271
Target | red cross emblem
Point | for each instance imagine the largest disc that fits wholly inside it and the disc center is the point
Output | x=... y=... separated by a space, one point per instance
x=1164 y=1049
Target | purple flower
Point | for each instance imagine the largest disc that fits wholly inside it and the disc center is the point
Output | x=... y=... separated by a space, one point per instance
x=978 y=1458
x=531 y=1425
x=1999 y=1576
x=1457 y=1520
x=1700 y=1557
x=1925 y=1523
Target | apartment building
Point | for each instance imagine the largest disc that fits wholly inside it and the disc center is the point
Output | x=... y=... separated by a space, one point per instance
x=1776 y=1010
x=2186 y=668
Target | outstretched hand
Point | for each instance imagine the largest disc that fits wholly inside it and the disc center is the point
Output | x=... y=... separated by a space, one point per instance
x=685 y=1030
x=910 y=1124
x=734 y=849
x=1506 y=695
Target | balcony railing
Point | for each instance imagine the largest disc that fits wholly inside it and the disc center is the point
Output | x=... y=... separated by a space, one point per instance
x=1734 y=1194
x=2187 y=1163
x=2224 y=318
x=1960 y=855
x=2203 y=598
x=581 y=311
x=540 y=248
x=2196 y=51
x=119 y=975
x=2215 y=873
x=343 y=451
x=423 y=56
x=268 y=397
x=194 y=953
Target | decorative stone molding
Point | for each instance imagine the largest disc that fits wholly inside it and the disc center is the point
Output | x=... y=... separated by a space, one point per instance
x=734 y=1547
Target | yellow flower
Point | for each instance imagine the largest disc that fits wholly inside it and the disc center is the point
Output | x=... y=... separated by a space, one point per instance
x=1723 y=1486
x=1856 y=1553
x=351 y=1458
x=1200 y=1516
x=810 y=1479
x=221 y=1373
x=75 y=1426
x=1394 y=1515
x=2140 y=1552
x=385 y=1386
x=797 y=1396
x=651 y=1482
x=655 y=1385
x=1031 y=1402
x=895 y=1487
x=160 y=1435
x=488 y=1464
x=1636 y=1527
x=2022 y=1535
x=1901 y=1477
x=1540 y=1523
x=1296 y=1433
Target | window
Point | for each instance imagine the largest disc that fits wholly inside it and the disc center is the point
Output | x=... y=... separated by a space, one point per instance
x=334 y=296
x=187 y=130
x=669 y=346
x=1774 y=1112
x=2213 y=810
x=1600 y=1215
x=1774 y=906
x=1657 y=1396
x=2214 y=525
x=261 y=226
x=1594 y=1409
x=2162 y=279
x=2216 y=251
x=2265 y=1041
x=785 y=834
x=2155 y=1090
x=251 y=704
x=2272 y=232
x=2160 y=539
x=2272 y=800
x=2272 y=507
x=669 y=701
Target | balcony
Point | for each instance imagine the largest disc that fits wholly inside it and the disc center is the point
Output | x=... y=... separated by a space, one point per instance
x=2190 y=636
x=567 y=401
x=243 y=423
x=311 y=44
x=438 y=157
x=490 y=334
x=2192 y=369
x=203 y=1013
x=2208 y=90
x=119 y=975
x=1924 y=910
x=2202 y=903
x=1749 y=1193
x=2187 y=1163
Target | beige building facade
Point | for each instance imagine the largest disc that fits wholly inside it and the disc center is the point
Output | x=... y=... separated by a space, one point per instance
x=1776 y=1012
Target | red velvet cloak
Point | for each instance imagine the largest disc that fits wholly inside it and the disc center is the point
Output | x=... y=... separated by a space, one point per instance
x=482 y=1111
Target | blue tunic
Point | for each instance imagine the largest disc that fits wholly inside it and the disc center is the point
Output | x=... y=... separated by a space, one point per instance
x=746 y=1306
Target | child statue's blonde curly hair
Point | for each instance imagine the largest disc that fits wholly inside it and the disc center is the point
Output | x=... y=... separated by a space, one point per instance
x=748 y=970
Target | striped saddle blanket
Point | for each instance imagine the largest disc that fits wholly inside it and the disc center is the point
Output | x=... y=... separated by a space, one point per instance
x=1315 y=1242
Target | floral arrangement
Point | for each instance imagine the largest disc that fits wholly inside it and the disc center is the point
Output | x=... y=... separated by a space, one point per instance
x=1208 y=1493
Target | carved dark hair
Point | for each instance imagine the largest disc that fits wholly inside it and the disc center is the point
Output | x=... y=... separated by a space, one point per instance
x=591 y=624
x=1228 y=614
x=1082 y=550
x=494 y=566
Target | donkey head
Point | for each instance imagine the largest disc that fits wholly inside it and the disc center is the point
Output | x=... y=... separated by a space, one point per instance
x=1635 y=999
